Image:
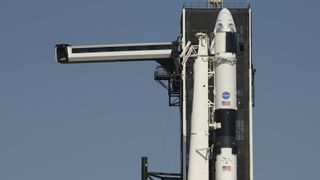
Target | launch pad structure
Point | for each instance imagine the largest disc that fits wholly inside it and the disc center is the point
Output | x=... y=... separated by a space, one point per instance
x=195 y=20
x=176 y=73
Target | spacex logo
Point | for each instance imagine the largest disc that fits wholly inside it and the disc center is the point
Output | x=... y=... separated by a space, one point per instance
x=225 y=95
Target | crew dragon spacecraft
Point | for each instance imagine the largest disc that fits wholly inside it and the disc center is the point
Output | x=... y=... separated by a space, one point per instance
x=210 y=76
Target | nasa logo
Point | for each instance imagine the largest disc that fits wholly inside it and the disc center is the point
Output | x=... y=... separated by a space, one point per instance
x=225 y=95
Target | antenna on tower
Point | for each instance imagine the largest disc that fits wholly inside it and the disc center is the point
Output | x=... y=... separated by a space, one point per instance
x=216 y=3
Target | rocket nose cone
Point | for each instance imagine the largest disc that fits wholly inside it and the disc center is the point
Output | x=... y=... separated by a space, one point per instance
x=224 y=11
x=225 y=22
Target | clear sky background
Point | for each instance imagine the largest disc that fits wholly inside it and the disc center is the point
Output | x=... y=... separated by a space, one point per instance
x=95 y=121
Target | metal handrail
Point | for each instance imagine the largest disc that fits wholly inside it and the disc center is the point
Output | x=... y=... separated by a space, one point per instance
x=231 y=4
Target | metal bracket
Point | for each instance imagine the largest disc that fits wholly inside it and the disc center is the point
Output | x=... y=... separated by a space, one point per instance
x=190 y=51
x=217 y=60
x=215 y=125
x=211 y=153
x=206 y=154
x=210 y=104
x=210 y=73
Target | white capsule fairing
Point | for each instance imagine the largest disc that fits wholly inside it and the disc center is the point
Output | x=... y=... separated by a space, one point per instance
x=225 y=96
x=225 y=22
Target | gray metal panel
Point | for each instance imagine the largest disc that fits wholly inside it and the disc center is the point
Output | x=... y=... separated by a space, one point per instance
x=203 y=20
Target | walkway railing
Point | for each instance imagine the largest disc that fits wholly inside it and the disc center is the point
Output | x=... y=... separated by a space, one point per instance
x=241 y=4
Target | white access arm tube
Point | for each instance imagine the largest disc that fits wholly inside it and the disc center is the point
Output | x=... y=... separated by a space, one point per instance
x=66 y=53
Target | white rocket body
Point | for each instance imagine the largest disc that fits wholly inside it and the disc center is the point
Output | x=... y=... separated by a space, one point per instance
x=226 y=165
x=198 y=153
x=225 y=95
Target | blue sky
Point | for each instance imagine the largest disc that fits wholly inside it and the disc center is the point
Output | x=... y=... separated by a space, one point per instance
x=95 y=121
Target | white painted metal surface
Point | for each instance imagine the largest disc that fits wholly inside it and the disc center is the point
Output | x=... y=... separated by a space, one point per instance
x=250 y=97
x=198 y=153
x=225 y=75
x=225 y=84
x=224 y=22
x=226 y=165
x=116 y=56
x=115 y=52
x=184 y=103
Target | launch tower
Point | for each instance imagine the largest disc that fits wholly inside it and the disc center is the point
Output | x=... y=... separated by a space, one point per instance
x=177 y=73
